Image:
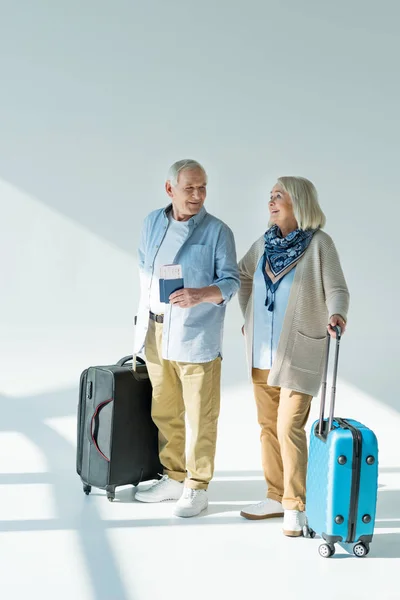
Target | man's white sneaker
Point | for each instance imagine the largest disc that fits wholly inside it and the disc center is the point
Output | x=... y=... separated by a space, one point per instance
x=191 y=503
x=161 y=490
x=293 y=522
x=267 y=509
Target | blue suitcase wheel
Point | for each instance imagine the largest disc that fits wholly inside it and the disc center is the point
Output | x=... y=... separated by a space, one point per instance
x=360 y=550
x=87 y=489
x=326 y=550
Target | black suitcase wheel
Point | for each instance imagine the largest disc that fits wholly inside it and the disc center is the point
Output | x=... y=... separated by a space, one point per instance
x=326 y=550
x=110 y=493
x=308 y=532
x=87 y=489
x=360 y=550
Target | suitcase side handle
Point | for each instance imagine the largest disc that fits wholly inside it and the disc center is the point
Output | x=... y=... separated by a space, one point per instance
x=92 y=426
x=324 y=382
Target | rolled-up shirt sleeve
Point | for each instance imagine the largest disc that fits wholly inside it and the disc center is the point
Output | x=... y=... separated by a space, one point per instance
x=226 y=269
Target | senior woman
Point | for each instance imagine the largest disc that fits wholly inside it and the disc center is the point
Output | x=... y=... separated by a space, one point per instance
x=292 y=291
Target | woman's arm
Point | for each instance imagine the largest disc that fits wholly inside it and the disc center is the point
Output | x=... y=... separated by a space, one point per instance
x=247 y=267
x=337 y=295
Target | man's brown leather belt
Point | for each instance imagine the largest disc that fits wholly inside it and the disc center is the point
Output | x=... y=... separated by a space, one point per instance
x=156 y=318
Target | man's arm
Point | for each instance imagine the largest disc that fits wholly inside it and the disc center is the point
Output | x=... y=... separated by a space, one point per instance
x=226 y=268
x=142 y=245
x=188 y=297
x=227 y=280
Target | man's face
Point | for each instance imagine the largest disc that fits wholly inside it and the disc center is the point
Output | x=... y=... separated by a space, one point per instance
x=189 y=194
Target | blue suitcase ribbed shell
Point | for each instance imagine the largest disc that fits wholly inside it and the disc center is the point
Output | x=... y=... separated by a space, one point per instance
x=332 y=493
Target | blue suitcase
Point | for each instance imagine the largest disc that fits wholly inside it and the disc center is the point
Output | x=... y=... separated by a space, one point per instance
x=342 y=477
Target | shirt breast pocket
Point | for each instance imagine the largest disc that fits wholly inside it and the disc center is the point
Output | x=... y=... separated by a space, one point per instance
x=200 y=258
x=200 y=267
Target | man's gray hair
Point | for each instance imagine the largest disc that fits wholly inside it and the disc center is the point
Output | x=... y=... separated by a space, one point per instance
x=181 y=165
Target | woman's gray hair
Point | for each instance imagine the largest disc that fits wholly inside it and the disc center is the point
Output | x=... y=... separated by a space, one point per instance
x=306 y=208
x=181 y=165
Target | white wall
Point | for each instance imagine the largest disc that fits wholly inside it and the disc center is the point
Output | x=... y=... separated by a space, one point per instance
x=99 y=98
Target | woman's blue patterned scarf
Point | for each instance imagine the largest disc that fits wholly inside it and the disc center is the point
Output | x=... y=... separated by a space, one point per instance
x=281 y=255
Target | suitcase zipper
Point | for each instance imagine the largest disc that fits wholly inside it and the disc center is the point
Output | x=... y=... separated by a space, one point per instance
x=355 y=482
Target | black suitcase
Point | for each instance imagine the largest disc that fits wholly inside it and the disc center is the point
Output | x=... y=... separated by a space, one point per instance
x=117 y=439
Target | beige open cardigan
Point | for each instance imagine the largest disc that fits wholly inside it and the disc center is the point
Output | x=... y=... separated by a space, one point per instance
x=318 y=291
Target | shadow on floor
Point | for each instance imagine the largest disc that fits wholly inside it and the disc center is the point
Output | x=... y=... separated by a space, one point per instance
x=76 y=512
x=27 y=416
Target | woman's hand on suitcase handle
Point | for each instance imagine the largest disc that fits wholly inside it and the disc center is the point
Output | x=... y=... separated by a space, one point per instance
x=336 y=321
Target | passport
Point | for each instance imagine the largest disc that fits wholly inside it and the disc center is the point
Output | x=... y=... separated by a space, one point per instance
x=170 y=281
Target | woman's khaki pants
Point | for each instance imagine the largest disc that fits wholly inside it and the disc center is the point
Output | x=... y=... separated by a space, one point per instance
x=282 y=415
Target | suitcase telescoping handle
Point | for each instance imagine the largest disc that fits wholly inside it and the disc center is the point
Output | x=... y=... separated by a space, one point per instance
x=324 y=382
x=136 y=360
x=126 y=359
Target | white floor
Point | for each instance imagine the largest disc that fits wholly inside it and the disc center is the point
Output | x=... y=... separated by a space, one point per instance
x=57 y=543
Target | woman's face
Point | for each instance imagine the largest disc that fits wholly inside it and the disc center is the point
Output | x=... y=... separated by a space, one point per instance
x=280 y=206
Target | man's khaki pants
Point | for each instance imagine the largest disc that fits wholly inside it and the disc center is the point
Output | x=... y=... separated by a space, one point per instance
x=282 y=415
x=179 y=388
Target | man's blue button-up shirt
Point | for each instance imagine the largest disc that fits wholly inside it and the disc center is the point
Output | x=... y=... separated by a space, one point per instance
x=207 y=257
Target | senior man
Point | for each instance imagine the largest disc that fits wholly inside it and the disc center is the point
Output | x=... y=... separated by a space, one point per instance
x=182 y=338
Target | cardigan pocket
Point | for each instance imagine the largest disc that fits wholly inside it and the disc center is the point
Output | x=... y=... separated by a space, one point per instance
x=308 y=353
